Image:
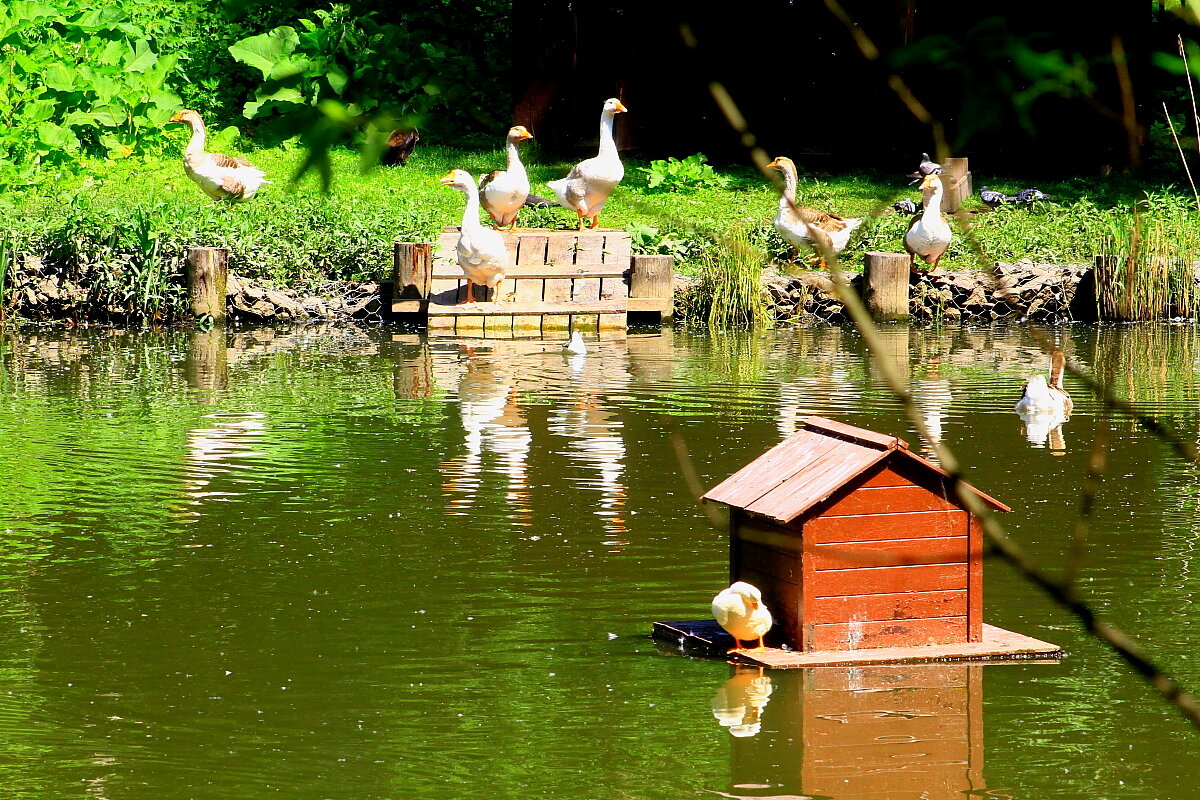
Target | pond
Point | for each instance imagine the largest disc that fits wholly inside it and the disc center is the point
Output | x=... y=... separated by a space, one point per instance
x=348 y=563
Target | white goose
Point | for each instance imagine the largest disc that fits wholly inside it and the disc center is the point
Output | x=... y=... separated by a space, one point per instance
x=504 y=191
x=221 y=177
x=799 y=224
x=739 y=610
x=929 y=234
x=589 y=183
x=1042 y=397
x=481 y=251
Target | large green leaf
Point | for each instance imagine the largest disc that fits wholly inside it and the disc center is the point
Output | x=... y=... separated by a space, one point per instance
x=59 y=78
x=56 y=137
x=143 y=57
x=264 y=51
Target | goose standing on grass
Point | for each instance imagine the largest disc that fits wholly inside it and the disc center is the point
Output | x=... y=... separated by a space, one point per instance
x=740 y=611
x=929 y=234
x=221 y=177
x=481 y=251
x=589 y=183
x=504 y=191
x=799 y=225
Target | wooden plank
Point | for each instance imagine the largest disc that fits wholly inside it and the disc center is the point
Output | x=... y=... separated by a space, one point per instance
x=560 y=250
x=468 y=325
x=828 y=467
x=975 y=582
x=851 y=433
x=452 y=270
x=885 y=580
x=886 y=476
x=612 y=325
x=556 y=290
x=876 y=527
x=889 y=500
x=498 y=326
x=928 y=701
x=531 y=250
x=480 y=309
x=585 y=323
x=891 y=633
x=614 y=289
x=440 y=326
x=618 y=248
x=890 y=553
x=881 y=727
x=557 y=326
x=778 y=564
x=409 y=306
x=660 y=304
x=590 y=249
x=880 y=607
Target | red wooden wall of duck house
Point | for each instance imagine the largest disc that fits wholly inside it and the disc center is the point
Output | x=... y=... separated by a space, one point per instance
x=856 y=542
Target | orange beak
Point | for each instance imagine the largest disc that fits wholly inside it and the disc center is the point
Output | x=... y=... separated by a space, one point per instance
x=447 y=179
x=177 y=117
x=621 y=106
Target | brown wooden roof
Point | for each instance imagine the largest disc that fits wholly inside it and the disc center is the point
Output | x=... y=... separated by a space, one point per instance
x=809 y=466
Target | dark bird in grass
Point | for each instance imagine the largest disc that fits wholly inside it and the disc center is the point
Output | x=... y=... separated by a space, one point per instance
x=400 y=146
x=994 y=198
x=926 y=167
x=1029 y=196
x=533 y=201
x=907 y=206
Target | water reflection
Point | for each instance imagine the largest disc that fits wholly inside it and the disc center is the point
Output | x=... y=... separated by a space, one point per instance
x=739 y=702
x=219 y=448
x=857 y=732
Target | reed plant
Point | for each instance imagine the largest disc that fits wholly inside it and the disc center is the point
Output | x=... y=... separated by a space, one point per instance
x=729 y=292
x=1147 y=264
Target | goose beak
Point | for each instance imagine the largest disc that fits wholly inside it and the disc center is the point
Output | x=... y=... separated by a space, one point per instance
x=447 y=179
x=774 y=164
x=176 y=118
x=621 y=106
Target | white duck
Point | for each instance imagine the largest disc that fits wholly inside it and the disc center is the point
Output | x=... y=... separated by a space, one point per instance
x=589 y=183
x=481 y=251
x=504 y=191
x=1047 y=397
x=577 y=346
x=221 y=177
x=739 y=610
x=929 y=234
x=799 y=224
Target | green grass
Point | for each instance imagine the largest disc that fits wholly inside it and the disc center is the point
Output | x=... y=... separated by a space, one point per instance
x=117 y=213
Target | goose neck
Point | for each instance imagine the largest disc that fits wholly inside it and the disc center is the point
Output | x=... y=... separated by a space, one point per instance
x=195 y=145
x=512 y=158
x=470 y=220
x=608 y=145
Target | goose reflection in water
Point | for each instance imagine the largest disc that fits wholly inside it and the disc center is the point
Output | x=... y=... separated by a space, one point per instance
x=739 y=702
x=1045 y=405
x=218 y=448
x=492 y=422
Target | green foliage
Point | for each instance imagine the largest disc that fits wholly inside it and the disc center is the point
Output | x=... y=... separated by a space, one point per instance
x=79 y=78
x=730 y=291
x=674 y=175
x=649 y=239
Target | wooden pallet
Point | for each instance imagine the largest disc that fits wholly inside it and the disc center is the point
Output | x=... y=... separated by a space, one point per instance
x=560 y=281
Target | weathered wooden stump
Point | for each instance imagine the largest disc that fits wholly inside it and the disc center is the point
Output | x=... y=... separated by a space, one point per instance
x=207 y=274
x=413 y=270
x=652 y=284
x=885 y=286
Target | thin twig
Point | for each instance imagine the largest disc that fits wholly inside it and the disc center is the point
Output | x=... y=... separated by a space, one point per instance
x=1182 y=158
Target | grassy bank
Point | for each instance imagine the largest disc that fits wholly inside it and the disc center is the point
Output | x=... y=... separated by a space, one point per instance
x=133 y=220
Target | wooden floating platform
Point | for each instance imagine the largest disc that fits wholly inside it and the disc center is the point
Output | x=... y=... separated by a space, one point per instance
x=706 y=639
x=560 y=281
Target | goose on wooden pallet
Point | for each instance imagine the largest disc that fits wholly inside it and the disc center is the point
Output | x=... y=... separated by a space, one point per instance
x=221 y=177
x=503 y=191
x=929 y=234
x=481 y=251
x=589 y=183
x=806 y=227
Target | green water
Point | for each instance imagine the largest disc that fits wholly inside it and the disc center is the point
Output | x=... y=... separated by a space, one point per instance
x=337 y=563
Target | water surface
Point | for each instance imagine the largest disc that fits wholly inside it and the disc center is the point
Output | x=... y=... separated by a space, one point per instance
x=347 y=563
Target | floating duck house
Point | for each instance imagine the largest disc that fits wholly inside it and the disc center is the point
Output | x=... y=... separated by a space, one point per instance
x=859 y=545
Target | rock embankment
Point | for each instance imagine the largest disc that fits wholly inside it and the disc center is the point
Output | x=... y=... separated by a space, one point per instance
x=1018 y=291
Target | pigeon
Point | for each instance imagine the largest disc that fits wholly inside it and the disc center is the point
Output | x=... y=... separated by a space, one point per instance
x=926 y=167
x=994 y=198
x=1030 y=195
x=907 y=206
x=533 y=201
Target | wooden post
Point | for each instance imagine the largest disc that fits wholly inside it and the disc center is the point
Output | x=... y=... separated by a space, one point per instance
x=885 y=286
x=957 y=178
x=206 y=368
x=207 y=272
x=652 y=281
x=413 y=270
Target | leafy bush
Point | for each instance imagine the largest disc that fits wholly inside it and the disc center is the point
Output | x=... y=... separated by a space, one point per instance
x=674 y=175
x=82 y=79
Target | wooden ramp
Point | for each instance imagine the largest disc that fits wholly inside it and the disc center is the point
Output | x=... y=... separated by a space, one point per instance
x=706 y=639
x=560 y=281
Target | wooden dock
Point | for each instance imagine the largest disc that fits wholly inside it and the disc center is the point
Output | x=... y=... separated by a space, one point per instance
x=559 y=282
x=706 y=639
